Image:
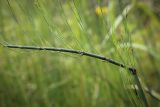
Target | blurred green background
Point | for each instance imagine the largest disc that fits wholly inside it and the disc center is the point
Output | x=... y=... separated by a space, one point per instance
x=127 y=31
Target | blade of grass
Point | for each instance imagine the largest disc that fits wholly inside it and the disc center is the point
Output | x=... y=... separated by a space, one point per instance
x=117 y=22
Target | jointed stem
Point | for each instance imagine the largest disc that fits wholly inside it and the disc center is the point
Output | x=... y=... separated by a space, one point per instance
x=130 y=69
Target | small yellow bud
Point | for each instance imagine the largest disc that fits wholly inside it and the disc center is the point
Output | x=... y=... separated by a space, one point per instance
x=101 y=10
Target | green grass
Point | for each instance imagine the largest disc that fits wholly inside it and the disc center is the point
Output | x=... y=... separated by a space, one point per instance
x=55 y=79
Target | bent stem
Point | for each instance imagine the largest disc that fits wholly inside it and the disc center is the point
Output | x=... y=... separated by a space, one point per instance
x=130 y=69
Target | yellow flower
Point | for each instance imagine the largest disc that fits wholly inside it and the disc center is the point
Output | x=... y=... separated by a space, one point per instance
x=101 y=10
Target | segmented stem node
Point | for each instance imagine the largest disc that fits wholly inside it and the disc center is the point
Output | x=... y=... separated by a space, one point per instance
x=133 y=71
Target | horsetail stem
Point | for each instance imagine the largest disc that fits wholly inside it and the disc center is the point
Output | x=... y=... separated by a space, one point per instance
x=131 y=69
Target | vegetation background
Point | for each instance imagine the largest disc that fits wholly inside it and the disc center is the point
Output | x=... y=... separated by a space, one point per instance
x=124 y=30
